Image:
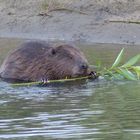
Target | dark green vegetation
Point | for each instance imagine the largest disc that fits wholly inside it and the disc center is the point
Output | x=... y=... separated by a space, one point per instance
x=125 y=71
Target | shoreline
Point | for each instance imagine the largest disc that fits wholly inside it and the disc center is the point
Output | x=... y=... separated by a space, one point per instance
x=20 y=20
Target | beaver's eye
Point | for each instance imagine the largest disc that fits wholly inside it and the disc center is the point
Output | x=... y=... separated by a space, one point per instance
x=53 y=52
x=71 y=57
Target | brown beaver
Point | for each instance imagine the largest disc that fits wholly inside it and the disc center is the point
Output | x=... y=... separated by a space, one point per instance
x=35 y=61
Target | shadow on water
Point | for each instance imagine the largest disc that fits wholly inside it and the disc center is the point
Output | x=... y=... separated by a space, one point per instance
x=99 y=110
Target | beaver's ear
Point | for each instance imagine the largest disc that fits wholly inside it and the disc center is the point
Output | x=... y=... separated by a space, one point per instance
x=52 y=51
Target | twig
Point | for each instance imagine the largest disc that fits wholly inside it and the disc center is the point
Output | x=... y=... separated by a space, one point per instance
x=125 y=21
x=44 y=14
x=67 y=9
x=60 y=9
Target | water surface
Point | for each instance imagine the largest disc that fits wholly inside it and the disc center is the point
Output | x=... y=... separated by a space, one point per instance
x=90 y=110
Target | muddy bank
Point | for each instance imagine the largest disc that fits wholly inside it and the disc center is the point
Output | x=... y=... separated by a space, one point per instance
x=70 y=20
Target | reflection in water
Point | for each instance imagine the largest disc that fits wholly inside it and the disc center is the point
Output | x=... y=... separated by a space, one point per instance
x=103 y=110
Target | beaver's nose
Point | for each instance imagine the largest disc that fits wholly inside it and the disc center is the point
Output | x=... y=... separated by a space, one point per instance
x=84 y=66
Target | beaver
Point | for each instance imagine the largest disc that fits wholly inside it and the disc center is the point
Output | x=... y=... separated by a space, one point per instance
x=37 y=61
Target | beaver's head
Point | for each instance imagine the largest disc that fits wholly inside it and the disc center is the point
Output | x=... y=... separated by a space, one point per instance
x=66 y=61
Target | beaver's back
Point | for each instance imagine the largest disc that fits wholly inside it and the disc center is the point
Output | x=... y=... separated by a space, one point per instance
x=24 y=58
x=31 y=50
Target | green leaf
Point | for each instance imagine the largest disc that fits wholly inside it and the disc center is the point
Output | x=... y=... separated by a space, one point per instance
x=132 y=61
x=137 y=70
x=118 y=59
x=127 y=74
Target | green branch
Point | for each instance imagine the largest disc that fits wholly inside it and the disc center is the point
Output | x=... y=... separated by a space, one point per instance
x=117 y=71
x=51 y=81
x=126 y=71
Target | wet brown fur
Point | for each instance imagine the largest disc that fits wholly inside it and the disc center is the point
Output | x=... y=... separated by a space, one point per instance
x=35 y=61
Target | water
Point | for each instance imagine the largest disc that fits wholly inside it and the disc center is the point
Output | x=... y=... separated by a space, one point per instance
x=93 y=110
